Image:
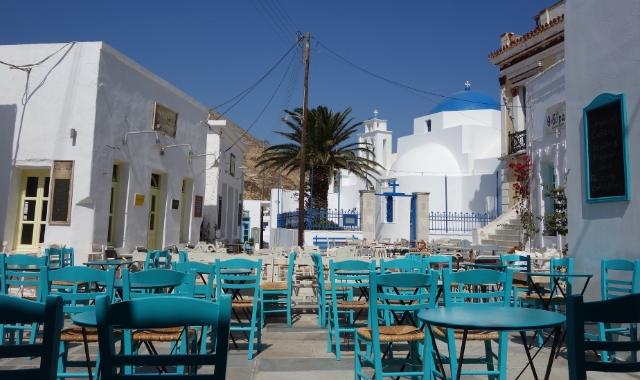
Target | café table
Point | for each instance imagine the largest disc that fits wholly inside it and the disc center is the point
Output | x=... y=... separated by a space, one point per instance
x=499 y=267
x=234 y=247
x=556 y=277
x=493 y=318
x=107 y=263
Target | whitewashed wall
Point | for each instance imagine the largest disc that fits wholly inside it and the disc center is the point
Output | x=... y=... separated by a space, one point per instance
x=602 y=55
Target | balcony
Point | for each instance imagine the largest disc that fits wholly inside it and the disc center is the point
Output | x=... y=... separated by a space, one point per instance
x=517 y=142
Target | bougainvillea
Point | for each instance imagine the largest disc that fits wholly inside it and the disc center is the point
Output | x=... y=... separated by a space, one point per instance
x=522 y=172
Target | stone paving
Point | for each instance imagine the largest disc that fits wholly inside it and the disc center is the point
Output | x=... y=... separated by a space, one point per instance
x=300 y=352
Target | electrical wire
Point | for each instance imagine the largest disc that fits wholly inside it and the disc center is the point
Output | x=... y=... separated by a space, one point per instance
x=289 y=19
x=280 y=36
x=29 y=66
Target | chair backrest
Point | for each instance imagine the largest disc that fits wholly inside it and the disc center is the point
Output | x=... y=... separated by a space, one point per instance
x=150 y=260
x=349 y=274
x=619 y=278
x=343 y=253
x=619 y=310
x=438 y=262
x=176 y=312
x=68 y=257
x=240 y=274
x=54 y=256
x=318 y=268
x=163 y=259
x=563 y=265
x=205 y=289
x=20 y=275
x=81 y=296
x=157 y=282
x=496 y=283
x=518 y=263
x=418 y=292
x=402 y=265
x=183 y=256
x=14 y=310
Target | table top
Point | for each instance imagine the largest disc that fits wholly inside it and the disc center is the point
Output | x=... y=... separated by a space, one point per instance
x=117 y=283
x=558 y=274
x=485 y=266
x=85 y=319
x=109 y=262
x=495 y=318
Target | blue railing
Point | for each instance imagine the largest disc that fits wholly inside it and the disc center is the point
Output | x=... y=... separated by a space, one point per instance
x=321 y=219
x=458 y=222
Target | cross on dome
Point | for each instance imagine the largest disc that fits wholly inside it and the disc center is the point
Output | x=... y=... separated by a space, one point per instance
x=467 y=86
x=375 y=113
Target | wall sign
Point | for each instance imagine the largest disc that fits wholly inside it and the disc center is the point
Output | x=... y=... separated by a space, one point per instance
x=606 y=153
x=138 y=199
x=349 y=220
x=165 y=120
x=175 y=204
x=197 y=206
x=555 y=117
x=61 y=188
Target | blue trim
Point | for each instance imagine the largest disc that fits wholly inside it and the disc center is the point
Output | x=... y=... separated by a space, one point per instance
x=602 y=100
x=413 y=218
x=467 y=101
x=350 y=220
x=389 y=209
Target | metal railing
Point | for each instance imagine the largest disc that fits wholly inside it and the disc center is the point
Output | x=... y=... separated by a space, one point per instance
x=458 y=222
x=517 y=141
x=322 y=219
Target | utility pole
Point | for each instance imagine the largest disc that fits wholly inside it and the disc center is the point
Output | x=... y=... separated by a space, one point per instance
x=303 y=141
x=264 y=145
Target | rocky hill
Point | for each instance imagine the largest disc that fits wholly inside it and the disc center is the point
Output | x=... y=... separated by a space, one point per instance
x=253 y=185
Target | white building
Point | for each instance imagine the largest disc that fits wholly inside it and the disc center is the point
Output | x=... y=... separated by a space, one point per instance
x=601 y=58
x=453 y=154
x=79 y=164
x=256 y=222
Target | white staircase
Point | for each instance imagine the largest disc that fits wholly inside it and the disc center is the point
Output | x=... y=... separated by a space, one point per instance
x=503 y=232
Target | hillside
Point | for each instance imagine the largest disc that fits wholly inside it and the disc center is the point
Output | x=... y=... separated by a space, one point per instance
x=253 y=184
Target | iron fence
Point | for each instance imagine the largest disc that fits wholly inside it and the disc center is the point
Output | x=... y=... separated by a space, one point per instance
x=322 y=219
x=458 y=222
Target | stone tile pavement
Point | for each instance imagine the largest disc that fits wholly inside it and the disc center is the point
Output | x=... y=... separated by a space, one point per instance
x=300 y=352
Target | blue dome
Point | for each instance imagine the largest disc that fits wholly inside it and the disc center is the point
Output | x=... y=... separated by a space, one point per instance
x=466 y=101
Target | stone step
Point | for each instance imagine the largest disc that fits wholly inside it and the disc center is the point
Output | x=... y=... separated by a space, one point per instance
x=504 y=237
x=507 y=231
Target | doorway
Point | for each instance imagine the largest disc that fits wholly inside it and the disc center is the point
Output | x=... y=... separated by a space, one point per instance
x=33 y=207
x=154 y=214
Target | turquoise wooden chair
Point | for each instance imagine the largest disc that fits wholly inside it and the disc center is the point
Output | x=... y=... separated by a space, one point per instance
x=163 y=259
x=438 y=262
x=150 y=260
x=351 y=275
x=239 y=277
x=54 y=257
x=15 y=311
x=205 y=277
x=519 y=263
x=23 y=282
x=276 y=296
x=321 y=293
x=183 y=256
x=402 y=265
x=182 y=312
x=459 y=290
x=385 y=298
x=159 y=283
x=618 y=310
x=82 y=286
x=617 y=278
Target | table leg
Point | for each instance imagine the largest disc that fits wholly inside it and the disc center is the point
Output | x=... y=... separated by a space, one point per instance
x=435 y=347
x=86 y=353
x=460 y=360
x=526 y=349
x=553 y=350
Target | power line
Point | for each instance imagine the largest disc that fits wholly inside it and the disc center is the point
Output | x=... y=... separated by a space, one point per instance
x=270 y=23
x=286 y=100
x=246 y=92
x=295 y=27
x=344 y=60
x=280 y=19
x=265 y=107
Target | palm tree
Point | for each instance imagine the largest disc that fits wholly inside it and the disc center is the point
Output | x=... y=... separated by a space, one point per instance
x=328 y=149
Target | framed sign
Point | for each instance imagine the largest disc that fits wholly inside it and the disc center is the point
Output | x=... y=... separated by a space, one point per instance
x=165 y=120
x=138 y=199
x=349 y=220
x=175 y=204
x=197 y=206
x=61 y=189
x=232 y=165
x=606 y=153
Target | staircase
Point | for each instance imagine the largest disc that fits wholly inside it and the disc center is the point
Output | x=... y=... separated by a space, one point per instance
x=502 y=232
x=505 y=236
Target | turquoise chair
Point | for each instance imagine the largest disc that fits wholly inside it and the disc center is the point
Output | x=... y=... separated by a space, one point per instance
x=346 y=275
x=183 y=256
x=182 y=312
x=150 y=260
x=519 y=263
x=276 y=296
x=89 y=283
x=323 y=288
x=163 y=259
x=402 y=265
x=15 y=311
x=54 y=257
x=385 y=298
x=618 y=278
x=68 y=257
x=23 y=282
x=618 y=310
x=159 y=283
x=239 y=277
x=438 y=262
x=498 y=294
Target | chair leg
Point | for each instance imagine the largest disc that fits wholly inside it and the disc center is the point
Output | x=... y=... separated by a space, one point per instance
x=502 y=355
x=488 y=352
x=288 y=309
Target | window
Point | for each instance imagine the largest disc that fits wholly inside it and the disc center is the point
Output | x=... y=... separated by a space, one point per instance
x=232 y=165
x=219 y=211
x=429 y=125
x=113 y=206
x=389 y=209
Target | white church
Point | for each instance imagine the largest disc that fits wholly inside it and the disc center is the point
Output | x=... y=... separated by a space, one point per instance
x=453 y=154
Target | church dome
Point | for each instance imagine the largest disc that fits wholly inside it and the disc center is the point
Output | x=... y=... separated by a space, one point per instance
x=425 y=159
x=467 y=100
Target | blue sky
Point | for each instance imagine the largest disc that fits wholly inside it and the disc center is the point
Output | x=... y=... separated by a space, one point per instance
x=214 y=50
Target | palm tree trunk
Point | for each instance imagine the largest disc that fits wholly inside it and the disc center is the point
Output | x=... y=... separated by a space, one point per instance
x=320 y=187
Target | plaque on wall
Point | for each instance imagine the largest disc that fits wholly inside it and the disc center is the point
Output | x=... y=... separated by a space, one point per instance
x=138 y=199
x=606 y=153
x=61 y=189
x=165 y=120
x=197 y=206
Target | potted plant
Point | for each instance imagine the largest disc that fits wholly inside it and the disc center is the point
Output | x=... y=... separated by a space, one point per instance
x=250 y=244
